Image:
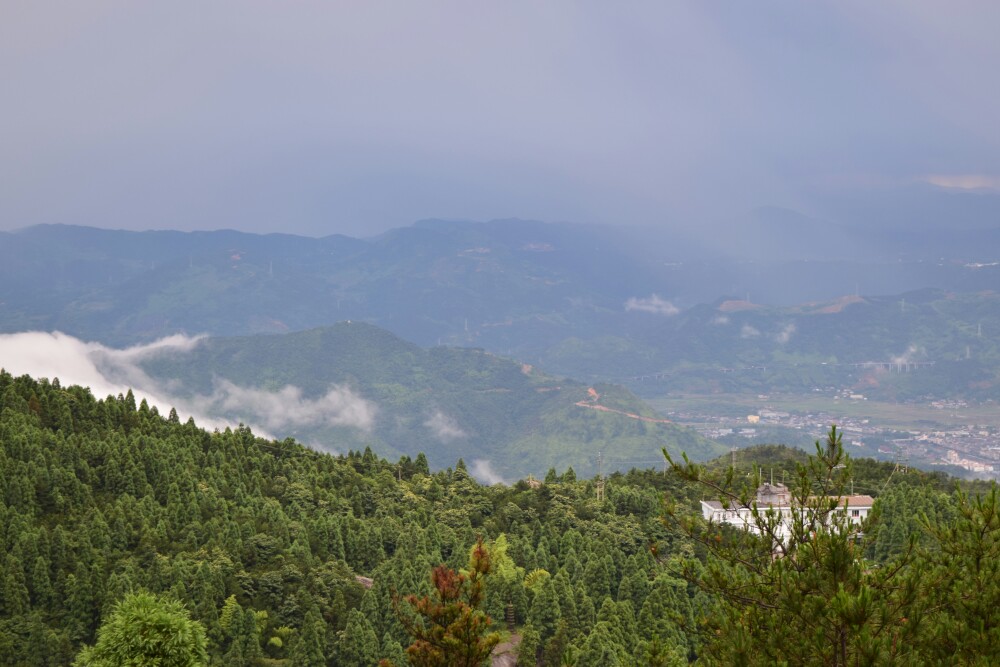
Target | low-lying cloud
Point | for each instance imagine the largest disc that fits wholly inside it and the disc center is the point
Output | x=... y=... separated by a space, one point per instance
x=483 y=471
x=964 y=181
x=288 y=408
x=651 y=304
x=444 y=427
x=912 y=354
x=108 y=371
x=785 y=334
x=748 y=331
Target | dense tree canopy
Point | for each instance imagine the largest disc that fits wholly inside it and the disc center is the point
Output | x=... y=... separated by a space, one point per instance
x=289 y=556
x=810 y=596
x=144 y=629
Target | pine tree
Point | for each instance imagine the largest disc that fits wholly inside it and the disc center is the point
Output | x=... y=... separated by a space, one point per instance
x=309 y=648
x=958 y=619
x=41 y=585
x=601 y=649
x=359 y=646
x=244 y=638
x=392 y=651
x=420 y=464
x=811 y=584
x=545 y=612
x=449 y=628
x=15 y=592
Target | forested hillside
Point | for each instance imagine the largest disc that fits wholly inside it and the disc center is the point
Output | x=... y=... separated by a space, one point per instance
x=287 y=556
x=446 y=402
x=926 y=343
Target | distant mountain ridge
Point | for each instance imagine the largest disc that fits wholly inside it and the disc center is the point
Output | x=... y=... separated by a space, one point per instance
x=515 y=287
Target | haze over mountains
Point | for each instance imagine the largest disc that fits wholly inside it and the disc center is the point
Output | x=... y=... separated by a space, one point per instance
x=499 y=284
x=586 y=302
x=298 y=425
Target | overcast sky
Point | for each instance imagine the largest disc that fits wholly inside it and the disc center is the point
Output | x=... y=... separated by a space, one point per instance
x=323 y=117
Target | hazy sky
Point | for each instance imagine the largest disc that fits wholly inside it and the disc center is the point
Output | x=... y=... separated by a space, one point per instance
x=322 y=117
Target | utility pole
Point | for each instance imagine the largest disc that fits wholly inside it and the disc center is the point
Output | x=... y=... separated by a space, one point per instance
x=600 y=478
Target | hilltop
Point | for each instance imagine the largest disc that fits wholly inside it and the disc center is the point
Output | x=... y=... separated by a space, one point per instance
x=364 y=386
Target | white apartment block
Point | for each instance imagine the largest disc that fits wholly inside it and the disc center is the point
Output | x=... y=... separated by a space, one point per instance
x=777 y=498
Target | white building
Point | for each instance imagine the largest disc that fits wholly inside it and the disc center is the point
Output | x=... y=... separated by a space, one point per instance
x=777 y=498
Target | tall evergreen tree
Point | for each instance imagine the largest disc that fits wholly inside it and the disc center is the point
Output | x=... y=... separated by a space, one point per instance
x=309 y=648
x=359 y=646
x=449 y=628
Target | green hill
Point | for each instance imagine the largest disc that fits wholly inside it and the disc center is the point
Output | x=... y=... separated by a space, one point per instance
x=924 y=343
x=447 y=402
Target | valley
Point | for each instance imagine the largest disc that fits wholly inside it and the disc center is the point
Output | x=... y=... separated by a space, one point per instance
x=956 y=436
x=574 y=334
x=427 y=330
x=290 y=431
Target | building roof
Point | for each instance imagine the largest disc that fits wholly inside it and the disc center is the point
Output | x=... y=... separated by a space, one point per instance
x=857 y=501
x=853 y=501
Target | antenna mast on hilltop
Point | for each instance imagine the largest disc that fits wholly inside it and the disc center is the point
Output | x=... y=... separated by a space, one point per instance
x=901 y=463
x=599 y=487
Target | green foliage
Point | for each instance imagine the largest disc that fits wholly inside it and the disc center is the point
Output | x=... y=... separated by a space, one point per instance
x=359 y=647
x=244 y=638
x=958 y=618
x=521 y=421
x=309 y=648
x=144 y=629
x=280 y=550
x=933 y=600
x=448 y=627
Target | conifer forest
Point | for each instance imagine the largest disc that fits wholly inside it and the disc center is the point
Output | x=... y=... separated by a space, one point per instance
x=119 y=523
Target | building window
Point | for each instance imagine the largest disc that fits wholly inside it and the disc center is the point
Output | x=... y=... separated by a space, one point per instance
x=855 y=512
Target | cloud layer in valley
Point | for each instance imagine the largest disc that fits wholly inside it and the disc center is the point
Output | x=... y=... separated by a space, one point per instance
x=786 y=333
x=651 y=304
x=444 y=428
x=107 y=371
x=288 y=408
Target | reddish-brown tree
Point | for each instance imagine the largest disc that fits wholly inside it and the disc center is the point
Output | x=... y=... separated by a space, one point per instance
x=448 y=627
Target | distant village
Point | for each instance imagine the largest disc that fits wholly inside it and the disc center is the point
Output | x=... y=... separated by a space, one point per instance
x=973 y=448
